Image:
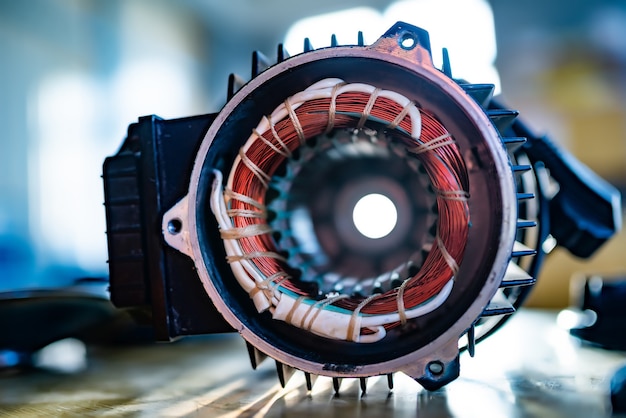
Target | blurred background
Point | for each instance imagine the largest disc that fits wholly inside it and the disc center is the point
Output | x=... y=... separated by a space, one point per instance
x=76 y=73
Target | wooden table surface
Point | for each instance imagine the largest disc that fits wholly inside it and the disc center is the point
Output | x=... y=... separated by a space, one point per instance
x=530 y=368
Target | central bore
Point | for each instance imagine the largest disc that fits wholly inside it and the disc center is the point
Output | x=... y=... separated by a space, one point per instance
x=375 y=216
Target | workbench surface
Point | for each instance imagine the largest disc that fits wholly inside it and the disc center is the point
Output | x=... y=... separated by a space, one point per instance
x=530 y=368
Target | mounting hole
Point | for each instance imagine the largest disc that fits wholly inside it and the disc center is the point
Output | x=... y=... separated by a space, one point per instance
x=174 y=226
x=375 y=216
x=407 y=40
x=435 y=367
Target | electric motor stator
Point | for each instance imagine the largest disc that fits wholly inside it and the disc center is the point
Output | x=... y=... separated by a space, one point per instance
x=244 y=219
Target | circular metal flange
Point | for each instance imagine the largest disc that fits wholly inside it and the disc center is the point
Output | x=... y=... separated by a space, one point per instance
x=391 y=63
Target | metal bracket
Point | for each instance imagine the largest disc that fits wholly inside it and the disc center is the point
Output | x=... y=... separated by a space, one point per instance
x=434 y=372
x=405 y=41
x=175 y=227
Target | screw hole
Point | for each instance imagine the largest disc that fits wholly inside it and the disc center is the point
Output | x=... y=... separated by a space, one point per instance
x=174 y=226
x=407 y=40
x=435 y=367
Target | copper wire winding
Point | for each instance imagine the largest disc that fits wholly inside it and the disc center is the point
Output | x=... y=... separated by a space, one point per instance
x=435 y=148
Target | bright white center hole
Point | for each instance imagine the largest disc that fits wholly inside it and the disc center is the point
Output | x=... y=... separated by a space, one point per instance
x=375 y=216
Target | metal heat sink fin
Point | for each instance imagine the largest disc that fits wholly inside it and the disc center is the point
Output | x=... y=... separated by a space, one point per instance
x=471 y=340
x=519 y=169
x=502 y=118
x=336 y=384
x=234 y=84
x=499 y=305
x=521 y=250
x=363 y=385
x=446 y=68
x=281 y=53
x=481 y=93
x=308 y=46
x=516 y=276
x=259 y=63
x=310 y=380
x=284 y=373
x=525 y=223
x=513 y=143
x=256 y=356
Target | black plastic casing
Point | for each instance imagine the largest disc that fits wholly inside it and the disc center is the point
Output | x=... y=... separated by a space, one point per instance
x=147 y=176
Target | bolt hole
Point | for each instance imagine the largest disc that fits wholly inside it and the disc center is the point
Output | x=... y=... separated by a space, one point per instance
x=174 y=226
x=435 y=367
x=407 y=40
